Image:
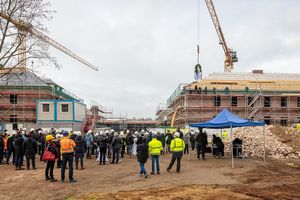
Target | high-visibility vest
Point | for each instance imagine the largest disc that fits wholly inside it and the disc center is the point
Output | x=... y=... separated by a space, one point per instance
x=155 y=146
x=67 y=146
x=177 y=145
x=224 y=135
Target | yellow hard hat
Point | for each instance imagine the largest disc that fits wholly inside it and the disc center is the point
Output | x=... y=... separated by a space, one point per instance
x=49 y=137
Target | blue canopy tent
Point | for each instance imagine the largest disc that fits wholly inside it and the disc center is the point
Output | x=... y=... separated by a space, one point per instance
x=226 y=119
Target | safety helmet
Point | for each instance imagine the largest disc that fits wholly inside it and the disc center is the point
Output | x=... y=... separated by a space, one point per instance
x=116 y=134
x=65 y=133
x=90 y=131
x=49 y=137
x=32 y=129
x=112 y=130
x=176 y=134
x=58 y=136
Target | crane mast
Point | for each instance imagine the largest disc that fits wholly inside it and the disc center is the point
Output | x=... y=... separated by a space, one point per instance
x=24 y=28
x=230 y=56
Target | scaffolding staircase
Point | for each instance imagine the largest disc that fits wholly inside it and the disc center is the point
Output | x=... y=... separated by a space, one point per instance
x=255 y=107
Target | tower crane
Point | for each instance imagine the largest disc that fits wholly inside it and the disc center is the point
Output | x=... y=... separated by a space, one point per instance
x=24 y=27
x=230 y=55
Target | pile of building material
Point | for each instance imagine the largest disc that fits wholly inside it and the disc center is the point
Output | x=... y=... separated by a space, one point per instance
x=253 y=142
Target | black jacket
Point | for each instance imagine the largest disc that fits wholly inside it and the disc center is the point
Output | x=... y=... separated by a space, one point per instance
x=1 y=142
x=18 y=145
x=79 y=149
x=142 y=152
x=30 y=147
x=202 y=139
x=102 y=141
x=52 y=148
x=10 y=143
x=116 y=142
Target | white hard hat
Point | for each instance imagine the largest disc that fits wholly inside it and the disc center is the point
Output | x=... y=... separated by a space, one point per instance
x=176 y=134
x=90 y=131
x=127 y=131
x=107 y=131
x=96 y=134
x=116 y=134
x=24 y=129
x=112 y=130
x=14 y=132
x=32 y=129
x=58 y=136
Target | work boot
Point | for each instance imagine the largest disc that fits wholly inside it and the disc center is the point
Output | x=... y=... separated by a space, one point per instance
x=73 y=181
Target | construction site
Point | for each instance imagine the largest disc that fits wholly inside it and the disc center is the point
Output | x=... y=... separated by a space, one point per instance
x=264 y=164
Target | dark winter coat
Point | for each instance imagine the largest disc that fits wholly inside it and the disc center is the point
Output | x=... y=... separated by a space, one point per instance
x=18 y=145
x=116 y=142
x=102 y=141
x=79 y=149
x=1 y=142
x=30 y=148
x=52 y=148
x=202 y=139
x=129 y=139
x=142 y=152
x=10 y=143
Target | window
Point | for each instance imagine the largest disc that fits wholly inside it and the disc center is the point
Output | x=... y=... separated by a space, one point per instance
x=45 y=107
x=298 y=102
x=217 y=101
x=234 y=101
x=214 y=91
x=13 y=99
x=283 y=101
x=226 y=90
x=267 y=120
x=249 y=101
x=283 y=122
x=64 y=107
x=267 y=101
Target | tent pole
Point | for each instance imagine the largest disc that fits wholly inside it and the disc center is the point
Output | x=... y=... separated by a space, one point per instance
x=264 y=144
x=232 y=163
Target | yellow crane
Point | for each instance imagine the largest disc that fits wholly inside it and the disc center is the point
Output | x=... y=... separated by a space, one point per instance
x=24 y=27
x=230 y=55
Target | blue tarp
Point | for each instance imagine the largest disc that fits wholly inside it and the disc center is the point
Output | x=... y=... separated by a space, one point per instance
x=226 y=119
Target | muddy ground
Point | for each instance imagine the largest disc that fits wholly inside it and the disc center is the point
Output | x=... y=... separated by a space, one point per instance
x=209 y=179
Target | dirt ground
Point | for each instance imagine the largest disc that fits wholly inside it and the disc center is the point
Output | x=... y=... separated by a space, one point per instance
x=209 y=179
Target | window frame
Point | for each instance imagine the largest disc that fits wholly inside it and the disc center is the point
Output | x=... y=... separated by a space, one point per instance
x=61 y=107
x=43 y=107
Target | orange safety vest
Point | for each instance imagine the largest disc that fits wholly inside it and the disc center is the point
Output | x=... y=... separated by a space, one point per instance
x=5 y=143
x=67 y=146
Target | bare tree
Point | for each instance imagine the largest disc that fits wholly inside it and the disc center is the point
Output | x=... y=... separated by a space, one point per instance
x=17 y=45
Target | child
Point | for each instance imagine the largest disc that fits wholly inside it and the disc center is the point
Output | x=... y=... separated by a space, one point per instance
x=142 y=156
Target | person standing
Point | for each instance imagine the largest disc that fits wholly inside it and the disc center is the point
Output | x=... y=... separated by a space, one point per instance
x=89 y=144
x=11 y=147
x=193 y=140
x=67 y=147
x=18 y=143
x=177 y=147
x=50 y=147
x=201 y=144
x=79 y=150
x=102 y=144
x=155 y=146
x=186 y=142
x=142 y=156
x=116 y=145
x=30 y=148
x=1 y=147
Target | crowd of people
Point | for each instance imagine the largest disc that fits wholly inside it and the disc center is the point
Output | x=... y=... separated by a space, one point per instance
x=60 y=147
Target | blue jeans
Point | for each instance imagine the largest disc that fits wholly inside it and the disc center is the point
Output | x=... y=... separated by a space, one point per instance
x=143 y=170
x=66 y=159
x=18 y=161
x=155 y=158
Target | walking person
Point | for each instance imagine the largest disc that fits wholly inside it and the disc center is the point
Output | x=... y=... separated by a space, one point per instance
x=116 y=145
x=79 y=150
x=11 y=148
x=30 y=148
x=102 y=144
x=201 y=140
x=177 y=147
x=155 y=146
x=142 y=156
x=49 y=155
x=186 y=142
x=67 y=148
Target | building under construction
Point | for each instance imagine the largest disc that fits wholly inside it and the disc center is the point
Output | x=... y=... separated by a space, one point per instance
x=27 y=100
x=272 y=97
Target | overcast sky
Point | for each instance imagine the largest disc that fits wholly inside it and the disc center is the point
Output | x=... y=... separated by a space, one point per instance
x=145 y=48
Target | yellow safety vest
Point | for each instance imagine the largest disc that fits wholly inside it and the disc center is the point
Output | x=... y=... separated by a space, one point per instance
x=224 y=135
x=177 y=145
x=155 y=146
